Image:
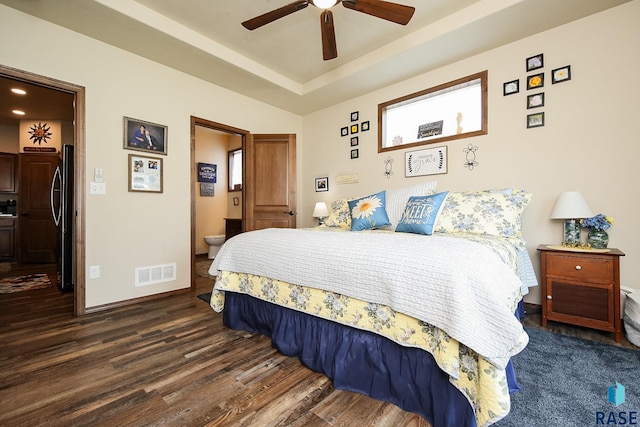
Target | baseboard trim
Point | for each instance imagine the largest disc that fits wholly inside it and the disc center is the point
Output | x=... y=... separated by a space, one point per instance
x=134 y=301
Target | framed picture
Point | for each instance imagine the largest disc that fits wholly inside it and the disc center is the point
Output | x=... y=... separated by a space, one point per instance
x=145 y=174
x=535 y=81
x=207 y=189
x=430 y=161
x=536 y=100
x=354 y=116
x=561 y=74
x=344 y=131
x=354 y=141
x=354 y=128
x=535 y=62
x=322 y=184
x=145 y=136
x=355 y=153
x=236 y=201
x=509 y=88
x=535 y=120
x=364 y=126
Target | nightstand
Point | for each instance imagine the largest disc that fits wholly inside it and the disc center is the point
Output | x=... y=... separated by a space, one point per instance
x=581 y=288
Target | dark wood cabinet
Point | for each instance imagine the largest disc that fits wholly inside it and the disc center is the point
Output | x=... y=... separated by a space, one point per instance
x=233 y=226
x=581 y=288
x=8 y=172
x=7 y=238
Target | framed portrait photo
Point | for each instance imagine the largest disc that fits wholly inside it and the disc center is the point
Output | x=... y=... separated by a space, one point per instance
x=145 y=174
x=322 y=184
x=145 y=136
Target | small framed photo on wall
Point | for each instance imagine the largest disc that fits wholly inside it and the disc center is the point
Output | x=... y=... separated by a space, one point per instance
x=322 y=184
x=561 y=74
x=535 y=120
x=535 y=62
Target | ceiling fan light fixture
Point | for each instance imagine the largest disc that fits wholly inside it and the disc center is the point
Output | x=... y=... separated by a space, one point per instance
x=324 y=4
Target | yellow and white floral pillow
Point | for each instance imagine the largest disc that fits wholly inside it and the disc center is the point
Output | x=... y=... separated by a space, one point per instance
x=339 y=215
x=483 y=212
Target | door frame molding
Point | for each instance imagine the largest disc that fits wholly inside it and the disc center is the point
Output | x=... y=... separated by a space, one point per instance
x=245 y=135
x=79 y=293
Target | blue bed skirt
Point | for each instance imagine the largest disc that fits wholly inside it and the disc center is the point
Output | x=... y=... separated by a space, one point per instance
x=357 y=360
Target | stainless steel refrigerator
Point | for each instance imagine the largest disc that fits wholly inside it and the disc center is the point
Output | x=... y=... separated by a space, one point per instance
x=63 y=211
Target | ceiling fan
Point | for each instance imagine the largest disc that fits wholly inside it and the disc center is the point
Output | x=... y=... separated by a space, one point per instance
x=394 y=12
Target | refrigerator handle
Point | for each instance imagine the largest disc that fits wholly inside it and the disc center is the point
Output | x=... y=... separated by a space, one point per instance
x=56 y=215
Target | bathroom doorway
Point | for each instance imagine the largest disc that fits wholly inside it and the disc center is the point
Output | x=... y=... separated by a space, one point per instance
x=217 y=208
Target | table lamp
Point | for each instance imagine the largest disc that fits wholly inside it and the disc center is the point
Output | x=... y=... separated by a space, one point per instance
x=571 y=206
x=320 y=211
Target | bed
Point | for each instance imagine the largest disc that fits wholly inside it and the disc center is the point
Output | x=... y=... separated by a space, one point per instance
x=427 y=321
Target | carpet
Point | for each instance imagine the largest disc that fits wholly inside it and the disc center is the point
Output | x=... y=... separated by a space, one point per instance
x=206 y=297
x=24 y=283
x=565 y=382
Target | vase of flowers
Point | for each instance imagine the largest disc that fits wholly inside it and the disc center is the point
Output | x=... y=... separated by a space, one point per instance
x=597 y=227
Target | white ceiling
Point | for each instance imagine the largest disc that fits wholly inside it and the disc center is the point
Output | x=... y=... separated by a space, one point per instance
x=281 y=63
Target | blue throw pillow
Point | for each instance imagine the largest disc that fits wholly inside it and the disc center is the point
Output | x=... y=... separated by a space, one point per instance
x=368 y=212
x=420 y=214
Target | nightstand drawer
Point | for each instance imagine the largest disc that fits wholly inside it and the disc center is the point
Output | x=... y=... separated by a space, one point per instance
x=591 y=269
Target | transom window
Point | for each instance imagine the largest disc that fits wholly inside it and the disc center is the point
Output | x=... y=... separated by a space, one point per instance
x=453 y=110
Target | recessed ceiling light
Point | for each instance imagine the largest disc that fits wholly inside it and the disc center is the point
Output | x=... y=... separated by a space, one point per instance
x=19 y=91
x=18 y=112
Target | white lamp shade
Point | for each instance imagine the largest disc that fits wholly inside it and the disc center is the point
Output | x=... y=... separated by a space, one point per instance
x=571 y=205
x=324 y=4
x=320 y=210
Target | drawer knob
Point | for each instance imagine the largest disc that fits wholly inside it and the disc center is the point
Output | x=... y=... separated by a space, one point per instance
x=578 y=267
x=549 y=297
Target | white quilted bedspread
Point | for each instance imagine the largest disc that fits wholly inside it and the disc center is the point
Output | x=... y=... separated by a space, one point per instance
x=454 y=284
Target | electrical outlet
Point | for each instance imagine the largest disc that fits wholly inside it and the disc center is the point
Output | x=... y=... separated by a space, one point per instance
x=94 y=272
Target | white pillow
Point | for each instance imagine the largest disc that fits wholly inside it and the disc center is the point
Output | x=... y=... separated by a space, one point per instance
x=396 y=200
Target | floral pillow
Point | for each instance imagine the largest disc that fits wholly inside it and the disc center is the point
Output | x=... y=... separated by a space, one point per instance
x=368 y=212
x=483 y=212
x=339 y=215
x=420 y=213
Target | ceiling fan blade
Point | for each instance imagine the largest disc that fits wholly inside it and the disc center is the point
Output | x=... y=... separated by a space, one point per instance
x=329 y=48
x=269 y=17
x=394 y=12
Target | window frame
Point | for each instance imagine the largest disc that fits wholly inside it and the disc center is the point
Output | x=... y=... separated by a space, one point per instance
x=382 y=108
x=230 y=156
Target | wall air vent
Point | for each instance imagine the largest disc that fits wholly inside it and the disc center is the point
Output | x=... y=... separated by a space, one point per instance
x=155 y=274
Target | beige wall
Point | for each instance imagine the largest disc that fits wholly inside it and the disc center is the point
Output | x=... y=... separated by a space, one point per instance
x=587 y=143
x=127 y=230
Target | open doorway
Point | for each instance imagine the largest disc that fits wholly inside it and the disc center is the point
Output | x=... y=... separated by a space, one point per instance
x=51 y=93
x=217 y=207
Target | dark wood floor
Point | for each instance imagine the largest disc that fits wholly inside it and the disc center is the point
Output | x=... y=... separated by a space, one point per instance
x=166 y=362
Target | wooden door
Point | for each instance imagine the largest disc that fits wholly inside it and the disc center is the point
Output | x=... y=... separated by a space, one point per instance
x=38 y=232
x=270 y=174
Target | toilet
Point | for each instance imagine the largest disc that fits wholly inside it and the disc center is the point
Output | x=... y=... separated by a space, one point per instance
x=214 y=242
